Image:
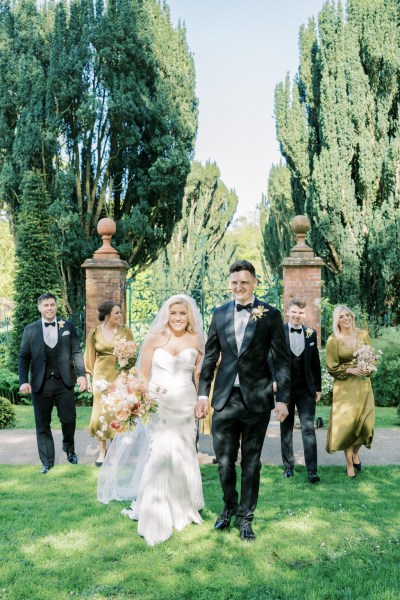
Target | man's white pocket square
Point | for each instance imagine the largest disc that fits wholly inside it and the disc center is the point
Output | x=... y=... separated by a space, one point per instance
x=65 y=333
x=312 y=344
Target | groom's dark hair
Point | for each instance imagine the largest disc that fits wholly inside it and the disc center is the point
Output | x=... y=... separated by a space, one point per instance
x=242 y=265
x=46 y=296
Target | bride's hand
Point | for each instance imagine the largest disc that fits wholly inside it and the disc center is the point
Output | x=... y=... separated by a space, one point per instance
x=356 y=371
x=201 y=409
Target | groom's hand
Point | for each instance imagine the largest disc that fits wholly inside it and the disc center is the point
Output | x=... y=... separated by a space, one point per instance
x=281 y=411
x=201 y=408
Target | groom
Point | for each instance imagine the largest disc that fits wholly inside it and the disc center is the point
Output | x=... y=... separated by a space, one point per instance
x=243 y=332
x=50 y=349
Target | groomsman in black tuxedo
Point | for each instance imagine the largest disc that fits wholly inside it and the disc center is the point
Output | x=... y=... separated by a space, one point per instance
x=305 y=390
x=243 y=332
x=50 y=350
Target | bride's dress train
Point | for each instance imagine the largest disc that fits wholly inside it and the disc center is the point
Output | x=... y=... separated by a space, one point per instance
x=157 y=465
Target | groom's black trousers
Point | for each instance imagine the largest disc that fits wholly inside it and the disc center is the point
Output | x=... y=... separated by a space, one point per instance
x=232 y=426
x=54 y=392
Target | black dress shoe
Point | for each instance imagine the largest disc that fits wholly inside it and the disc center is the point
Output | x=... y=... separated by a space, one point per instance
x=45 y=469
x=313 y=477
x=224 y=519
x=246 y=532
x=72 y=458
x=288 y=473
x=357 y=466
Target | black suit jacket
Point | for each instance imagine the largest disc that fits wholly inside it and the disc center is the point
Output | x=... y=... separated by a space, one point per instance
x=33 y=355
x=261 y=336
x=312 y=365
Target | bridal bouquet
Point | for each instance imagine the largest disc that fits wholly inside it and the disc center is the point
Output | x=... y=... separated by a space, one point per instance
x=366 y=358
x=125 y=352
x=125 y=401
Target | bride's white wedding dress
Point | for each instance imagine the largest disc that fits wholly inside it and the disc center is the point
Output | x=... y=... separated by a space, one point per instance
x=157 y=465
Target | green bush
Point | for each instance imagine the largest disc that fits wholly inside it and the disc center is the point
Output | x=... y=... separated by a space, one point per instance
x=9 y=385
x=7 y=414
x=83 y=398
x=386 y=380
x=327 y=381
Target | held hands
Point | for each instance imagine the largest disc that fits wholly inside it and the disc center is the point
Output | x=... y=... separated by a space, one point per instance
x=281 y=411
x=318 y=396
x=201 y=409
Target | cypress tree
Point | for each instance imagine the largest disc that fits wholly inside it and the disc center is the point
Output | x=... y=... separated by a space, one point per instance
x=37 y=267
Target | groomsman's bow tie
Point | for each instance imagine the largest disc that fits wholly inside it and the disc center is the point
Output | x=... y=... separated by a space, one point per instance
x=248 y=307
x=293 y=329
x=53 y=324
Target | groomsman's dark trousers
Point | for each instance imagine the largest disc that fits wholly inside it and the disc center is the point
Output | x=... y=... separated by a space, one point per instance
x=54 y=393
x=235 y=426
x=305 y=404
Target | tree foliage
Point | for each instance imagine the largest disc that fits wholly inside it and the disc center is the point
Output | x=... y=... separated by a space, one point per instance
x=99 y=97
x=198 y=243
x=338 y=129
x=7 y=261
x=37 y=267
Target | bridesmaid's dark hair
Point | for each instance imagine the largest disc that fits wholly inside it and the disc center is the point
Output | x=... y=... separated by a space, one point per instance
x=105 y=309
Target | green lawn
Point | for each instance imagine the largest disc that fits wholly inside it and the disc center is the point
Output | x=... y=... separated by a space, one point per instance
x=339 y=540
x=385 y=417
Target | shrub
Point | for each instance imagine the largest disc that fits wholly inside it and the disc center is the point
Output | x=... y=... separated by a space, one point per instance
x=327 y=381
x=386 y=380
x=9 y=385
x=84 y=398
x=7 y=414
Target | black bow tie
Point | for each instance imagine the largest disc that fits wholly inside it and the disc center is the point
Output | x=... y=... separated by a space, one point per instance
x=53 y=324
x=292 y=330
x=248 y=307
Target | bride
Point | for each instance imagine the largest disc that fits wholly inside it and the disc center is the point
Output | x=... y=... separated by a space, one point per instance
x=156 y=465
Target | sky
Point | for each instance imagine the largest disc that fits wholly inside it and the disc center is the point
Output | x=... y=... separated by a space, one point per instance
x=241 y=49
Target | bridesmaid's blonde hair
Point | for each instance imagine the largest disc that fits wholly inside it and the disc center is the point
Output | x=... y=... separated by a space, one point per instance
x=335 y=319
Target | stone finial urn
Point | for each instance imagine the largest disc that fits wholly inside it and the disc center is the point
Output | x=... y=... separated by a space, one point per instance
x=106 y=229
x=300 y=225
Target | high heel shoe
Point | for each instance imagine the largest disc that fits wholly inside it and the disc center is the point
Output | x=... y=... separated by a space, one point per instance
x=350 y=476
x=357 y=466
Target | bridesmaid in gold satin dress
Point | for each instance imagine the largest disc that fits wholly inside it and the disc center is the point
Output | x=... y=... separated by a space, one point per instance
x=100 y=365
x=352 y=416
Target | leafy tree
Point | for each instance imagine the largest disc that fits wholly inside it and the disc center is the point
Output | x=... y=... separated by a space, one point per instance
x=7 y=261
x=196 y=245
x=37 y=267
x=338 y=128
x=99 y=96
x=276 y=213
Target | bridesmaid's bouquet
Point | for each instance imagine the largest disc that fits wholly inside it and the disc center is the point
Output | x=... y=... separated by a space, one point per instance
x=126 y=352
x=366 y=358
x=126 y=401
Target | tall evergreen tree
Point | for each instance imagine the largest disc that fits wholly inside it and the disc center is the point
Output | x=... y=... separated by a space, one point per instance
x=100 y=97
x=37 y=267
x=338 y=128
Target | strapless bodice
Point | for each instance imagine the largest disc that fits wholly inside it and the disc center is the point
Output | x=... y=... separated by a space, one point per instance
x=168 y=370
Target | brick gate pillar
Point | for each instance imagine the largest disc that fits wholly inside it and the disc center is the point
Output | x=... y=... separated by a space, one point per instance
x=302 y=275
x=105 y=275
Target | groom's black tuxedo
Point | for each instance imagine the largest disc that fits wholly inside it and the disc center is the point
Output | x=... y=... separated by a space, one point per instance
x=262 y=335
x=52 y=377
x=242 y=412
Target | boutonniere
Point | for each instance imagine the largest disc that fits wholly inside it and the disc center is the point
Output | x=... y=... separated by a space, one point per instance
x=61 y=324
x=259 y=312
x=309 y=332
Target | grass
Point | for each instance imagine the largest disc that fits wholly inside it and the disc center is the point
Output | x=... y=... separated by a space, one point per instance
x=386 y=418
x=338 y=540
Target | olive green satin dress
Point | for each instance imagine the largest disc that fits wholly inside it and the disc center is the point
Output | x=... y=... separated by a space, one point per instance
x=100 y=363
x=352 y=416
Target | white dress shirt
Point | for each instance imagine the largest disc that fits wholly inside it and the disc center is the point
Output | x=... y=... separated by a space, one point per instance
x=296 y=340
x=241 y=319
x=50 y=333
